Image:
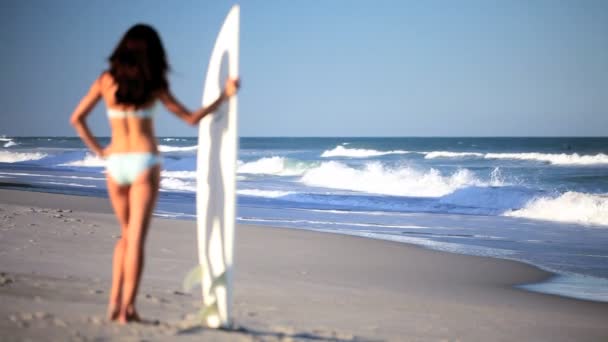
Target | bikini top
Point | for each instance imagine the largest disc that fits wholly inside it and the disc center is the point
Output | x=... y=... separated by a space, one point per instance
x=139 y=113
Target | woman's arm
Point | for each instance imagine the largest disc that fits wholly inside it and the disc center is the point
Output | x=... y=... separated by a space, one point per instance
x=80 y=113
x=193 y=118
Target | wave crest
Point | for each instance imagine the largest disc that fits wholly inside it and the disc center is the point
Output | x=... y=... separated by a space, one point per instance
x=167 y=148
x=575 y=207
x=264 y=193
x=15 y=157
x=447 y=154
x=88 y=161
x=279 y=166
x=341 y=151
x=375 y=178
x=175 y=184
x=551 y=158
x=179 y=174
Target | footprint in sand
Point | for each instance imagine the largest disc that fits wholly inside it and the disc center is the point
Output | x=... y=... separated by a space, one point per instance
x=60 y=323
x=156 y=300
x=5 y=280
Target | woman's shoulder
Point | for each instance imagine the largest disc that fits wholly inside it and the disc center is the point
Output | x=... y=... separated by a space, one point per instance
x=105 y=78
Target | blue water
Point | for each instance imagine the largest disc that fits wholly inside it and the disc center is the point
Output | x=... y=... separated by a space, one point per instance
x=539 y=200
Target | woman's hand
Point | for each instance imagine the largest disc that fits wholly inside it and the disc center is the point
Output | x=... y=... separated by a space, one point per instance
x=193 y=118
x=104 y=152
x=231 y=87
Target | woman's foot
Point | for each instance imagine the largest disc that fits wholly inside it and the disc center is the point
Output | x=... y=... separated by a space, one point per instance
x=113 y=311
x=128 y=315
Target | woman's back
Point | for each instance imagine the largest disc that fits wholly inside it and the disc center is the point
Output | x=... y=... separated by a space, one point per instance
x=132 y=128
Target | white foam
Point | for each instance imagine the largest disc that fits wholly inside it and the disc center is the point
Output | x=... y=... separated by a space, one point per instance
x=89 y=160
x=173 y=139
x=551 y=158
x=375 y=178
x=167 y=148
x=177 y=184
x=341 y=151
x=309 y=223
x=574 y=207
x=71 y=184
x=179 y=174
x=447 y=154
x=14 y=157
x=12 y=174
x=264 y=193
x=10 y=143
x=273 y=166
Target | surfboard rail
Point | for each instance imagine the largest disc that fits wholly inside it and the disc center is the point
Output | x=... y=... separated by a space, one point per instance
x=216 y=180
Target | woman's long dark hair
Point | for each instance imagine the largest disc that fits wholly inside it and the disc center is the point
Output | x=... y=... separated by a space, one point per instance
x=139 y=66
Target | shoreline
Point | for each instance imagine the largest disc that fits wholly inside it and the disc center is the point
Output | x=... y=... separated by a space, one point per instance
x=298 y=284
x=554 y=283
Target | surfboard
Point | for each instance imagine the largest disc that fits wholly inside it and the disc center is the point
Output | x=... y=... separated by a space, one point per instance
x=216 y=179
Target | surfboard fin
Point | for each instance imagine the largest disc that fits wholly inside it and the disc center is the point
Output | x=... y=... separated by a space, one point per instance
x=193 y=278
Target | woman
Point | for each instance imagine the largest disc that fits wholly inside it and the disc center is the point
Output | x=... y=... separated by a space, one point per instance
x=136 y=80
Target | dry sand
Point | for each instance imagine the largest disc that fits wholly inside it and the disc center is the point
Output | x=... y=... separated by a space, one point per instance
x=55 y=256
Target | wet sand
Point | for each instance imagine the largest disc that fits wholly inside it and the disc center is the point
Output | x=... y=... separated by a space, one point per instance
x=55 y=259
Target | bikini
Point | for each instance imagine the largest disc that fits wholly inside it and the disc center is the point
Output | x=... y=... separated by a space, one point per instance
x=124 y=167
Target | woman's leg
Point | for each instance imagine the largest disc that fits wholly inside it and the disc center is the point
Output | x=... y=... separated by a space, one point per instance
x=142 y=199
x=119 y=197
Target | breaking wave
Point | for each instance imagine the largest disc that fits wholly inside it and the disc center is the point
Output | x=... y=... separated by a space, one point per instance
x=175 y=184
x=167 y=148
x=264 y=193
x=279 y=166
x=447 y=154
x=551 y=158
x=89 y=160
x=179 y=174
x=14 y=157
x=341 y=151
x=574 y=207
x=376 y=178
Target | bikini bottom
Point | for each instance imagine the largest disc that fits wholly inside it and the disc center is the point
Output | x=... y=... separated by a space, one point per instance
x=125 y=167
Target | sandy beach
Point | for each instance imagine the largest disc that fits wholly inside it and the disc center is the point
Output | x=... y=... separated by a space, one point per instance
x=290 y=285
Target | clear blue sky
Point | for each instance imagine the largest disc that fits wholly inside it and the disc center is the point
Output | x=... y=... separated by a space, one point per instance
x=329 y=68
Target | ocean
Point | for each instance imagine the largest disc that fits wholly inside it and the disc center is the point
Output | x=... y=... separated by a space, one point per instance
x=543 y=201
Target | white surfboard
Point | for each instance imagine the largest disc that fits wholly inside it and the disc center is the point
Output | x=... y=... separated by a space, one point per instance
x=216 y=179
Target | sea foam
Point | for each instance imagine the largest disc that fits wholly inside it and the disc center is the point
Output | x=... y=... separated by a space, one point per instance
x=15 y=157
x=575 y=207
x=279 y=166
x=341 y=151
x=175 y=184
x=264 y=193
x=551 y=158
x=167 y=148
x=179 y=174
x=376 y=178
x=447 y=154
x=89 y=160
